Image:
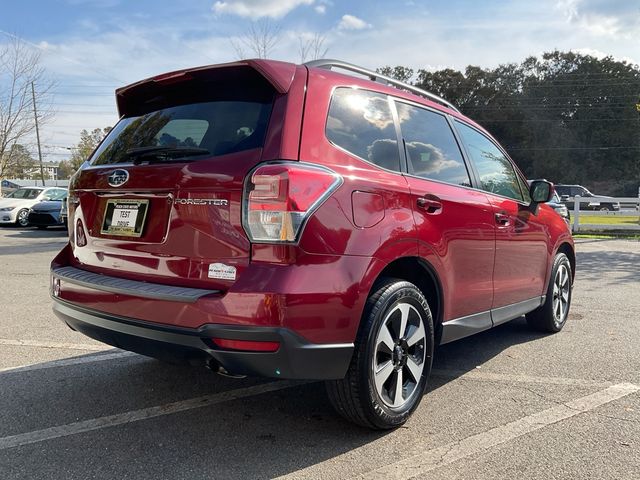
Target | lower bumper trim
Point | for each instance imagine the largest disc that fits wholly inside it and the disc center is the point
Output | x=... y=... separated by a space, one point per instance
x=295 y=359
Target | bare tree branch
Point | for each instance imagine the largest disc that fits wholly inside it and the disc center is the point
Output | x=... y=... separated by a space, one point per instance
x=312 y=48
x=19 y=67
x=259 y=39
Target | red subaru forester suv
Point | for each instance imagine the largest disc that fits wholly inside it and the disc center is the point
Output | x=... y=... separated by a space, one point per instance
x=291 y=221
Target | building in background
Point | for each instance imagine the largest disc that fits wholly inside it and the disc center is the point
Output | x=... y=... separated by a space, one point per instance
x=50 y=170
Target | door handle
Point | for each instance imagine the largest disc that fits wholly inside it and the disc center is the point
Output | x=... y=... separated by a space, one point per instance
x=430 y=205
x=502 y=219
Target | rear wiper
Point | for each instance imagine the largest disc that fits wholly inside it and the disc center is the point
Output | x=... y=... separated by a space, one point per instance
x=153 y=153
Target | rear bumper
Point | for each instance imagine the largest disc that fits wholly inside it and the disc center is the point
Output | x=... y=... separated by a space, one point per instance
x=296 y=358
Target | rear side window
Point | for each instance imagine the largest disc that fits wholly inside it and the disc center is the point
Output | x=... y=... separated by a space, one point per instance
x=54 y=194
x=25 y=193
x=432 y=150
x=496 y=172
x=361 y=122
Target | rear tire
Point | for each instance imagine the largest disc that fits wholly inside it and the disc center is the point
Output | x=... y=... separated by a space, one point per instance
x=392 y=360
x=552 y=315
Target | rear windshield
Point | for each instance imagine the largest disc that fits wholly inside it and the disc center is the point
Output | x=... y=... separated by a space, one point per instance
x=197 y=130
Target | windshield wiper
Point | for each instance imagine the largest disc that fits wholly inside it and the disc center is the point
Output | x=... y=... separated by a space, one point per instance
x=162 y=154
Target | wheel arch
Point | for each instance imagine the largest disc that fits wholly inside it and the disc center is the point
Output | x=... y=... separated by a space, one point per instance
x=568 y=250
x=422 y=274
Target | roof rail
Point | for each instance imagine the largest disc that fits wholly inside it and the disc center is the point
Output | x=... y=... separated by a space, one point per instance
x=377 y=77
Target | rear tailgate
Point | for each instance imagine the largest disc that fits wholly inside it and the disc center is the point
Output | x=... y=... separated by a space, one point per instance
x=161 y=198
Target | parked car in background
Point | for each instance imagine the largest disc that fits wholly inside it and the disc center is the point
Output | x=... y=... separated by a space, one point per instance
x=63 y=210
x=14 y=208
x=46 y=214
x=557 y=204
x=559 y=207
x=572 y=190
x=214 y=226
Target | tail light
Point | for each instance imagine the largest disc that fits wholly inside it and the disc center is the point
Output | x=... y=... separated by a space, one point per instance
x=280 y=197
x=81 y=238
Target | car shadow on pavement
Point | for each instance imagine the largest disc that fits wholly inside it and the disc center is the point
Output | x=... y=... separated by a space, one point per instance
x=24 y=241
x=472 y=352
x=259 y=436
x=625 y=264
x=50 y=232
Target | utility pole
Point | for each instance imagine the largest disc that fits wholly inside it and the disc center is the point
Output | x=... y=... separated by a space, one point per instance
x=35 y=115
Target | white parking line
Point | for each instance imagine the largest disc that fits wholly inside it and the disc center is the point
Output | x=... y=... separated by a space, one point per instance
x=61 y=345
x=67 y=362
x=430 y=460
x=137 y=415
x=507 y=378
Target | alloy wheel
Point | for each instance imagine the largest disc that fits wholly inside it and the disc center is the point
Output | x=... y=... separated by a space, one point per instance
x=23 y=218
x=561 y=286
x=399 y=356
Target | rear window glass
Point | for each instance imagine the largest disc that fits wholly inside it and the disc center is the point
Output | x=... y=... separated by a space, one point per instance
x=26 y=193
x=54 y=194
x=195 y=130
x=432 y=150
x=361 y=123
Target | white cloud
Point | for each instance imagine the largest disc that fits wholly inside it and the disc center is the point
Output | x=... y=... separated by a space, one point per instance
x=603 y=17
x=88 y=67
x=255 y=9
x=351 y=22
x=321 y=9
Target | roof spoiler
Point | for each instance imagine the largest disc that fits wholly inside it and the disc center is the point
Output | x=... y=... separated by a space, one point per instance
x=278 y=74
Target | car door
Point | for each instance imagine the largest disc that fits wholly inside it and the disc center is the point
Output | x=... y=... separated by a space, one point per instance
x=521 y=259
x=454 y=221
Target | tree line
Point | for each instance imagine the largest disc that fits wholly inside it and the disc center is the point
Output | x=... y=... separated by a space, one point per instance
x=564 y=116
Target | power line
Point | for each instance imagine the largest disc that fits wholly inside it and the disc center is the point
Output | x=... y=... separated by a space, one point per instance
x=575 y=148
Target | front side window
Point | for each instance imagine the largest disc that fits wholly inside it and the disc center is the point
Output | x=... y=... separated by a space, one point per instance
x=432 y=150
x=495 y=170
x=524 y=188
x=361 y=122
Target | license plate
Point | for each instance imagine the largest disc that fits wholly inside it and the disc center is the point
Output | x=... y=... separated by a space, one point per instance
x=124 y=217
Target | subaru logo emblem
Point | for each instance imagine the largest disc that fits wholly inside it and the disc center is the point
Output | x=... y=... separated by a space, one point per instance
x=118 y=177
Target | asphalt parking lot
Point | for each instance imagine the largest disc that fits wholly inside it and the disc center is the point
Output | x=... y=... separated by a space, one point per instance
x=507 y=403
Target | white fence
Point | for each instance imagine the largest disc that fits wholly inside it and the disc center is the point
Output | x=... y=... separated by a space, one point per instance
x=628 y=209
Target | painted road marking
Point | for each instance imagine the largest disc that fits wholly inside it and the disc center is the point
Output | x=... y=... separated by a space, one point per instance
x=507 y=378
x=61 y=345
x=65 y=362
x=430 y=460
x=142 y=414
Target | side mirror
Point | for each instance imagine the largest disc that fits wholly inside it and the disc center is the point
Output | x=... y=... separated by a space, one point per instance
x=564 y=198
x=541 y=191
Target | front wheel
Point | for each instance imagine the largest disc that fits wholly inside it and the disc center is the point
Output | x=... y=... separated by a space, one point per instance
x=392 y=359
x=552 y=315
x=22 y=218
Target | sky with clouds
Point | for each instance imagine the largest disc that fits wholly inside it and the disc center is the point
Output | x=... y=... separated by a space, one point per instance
x=91 y=47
